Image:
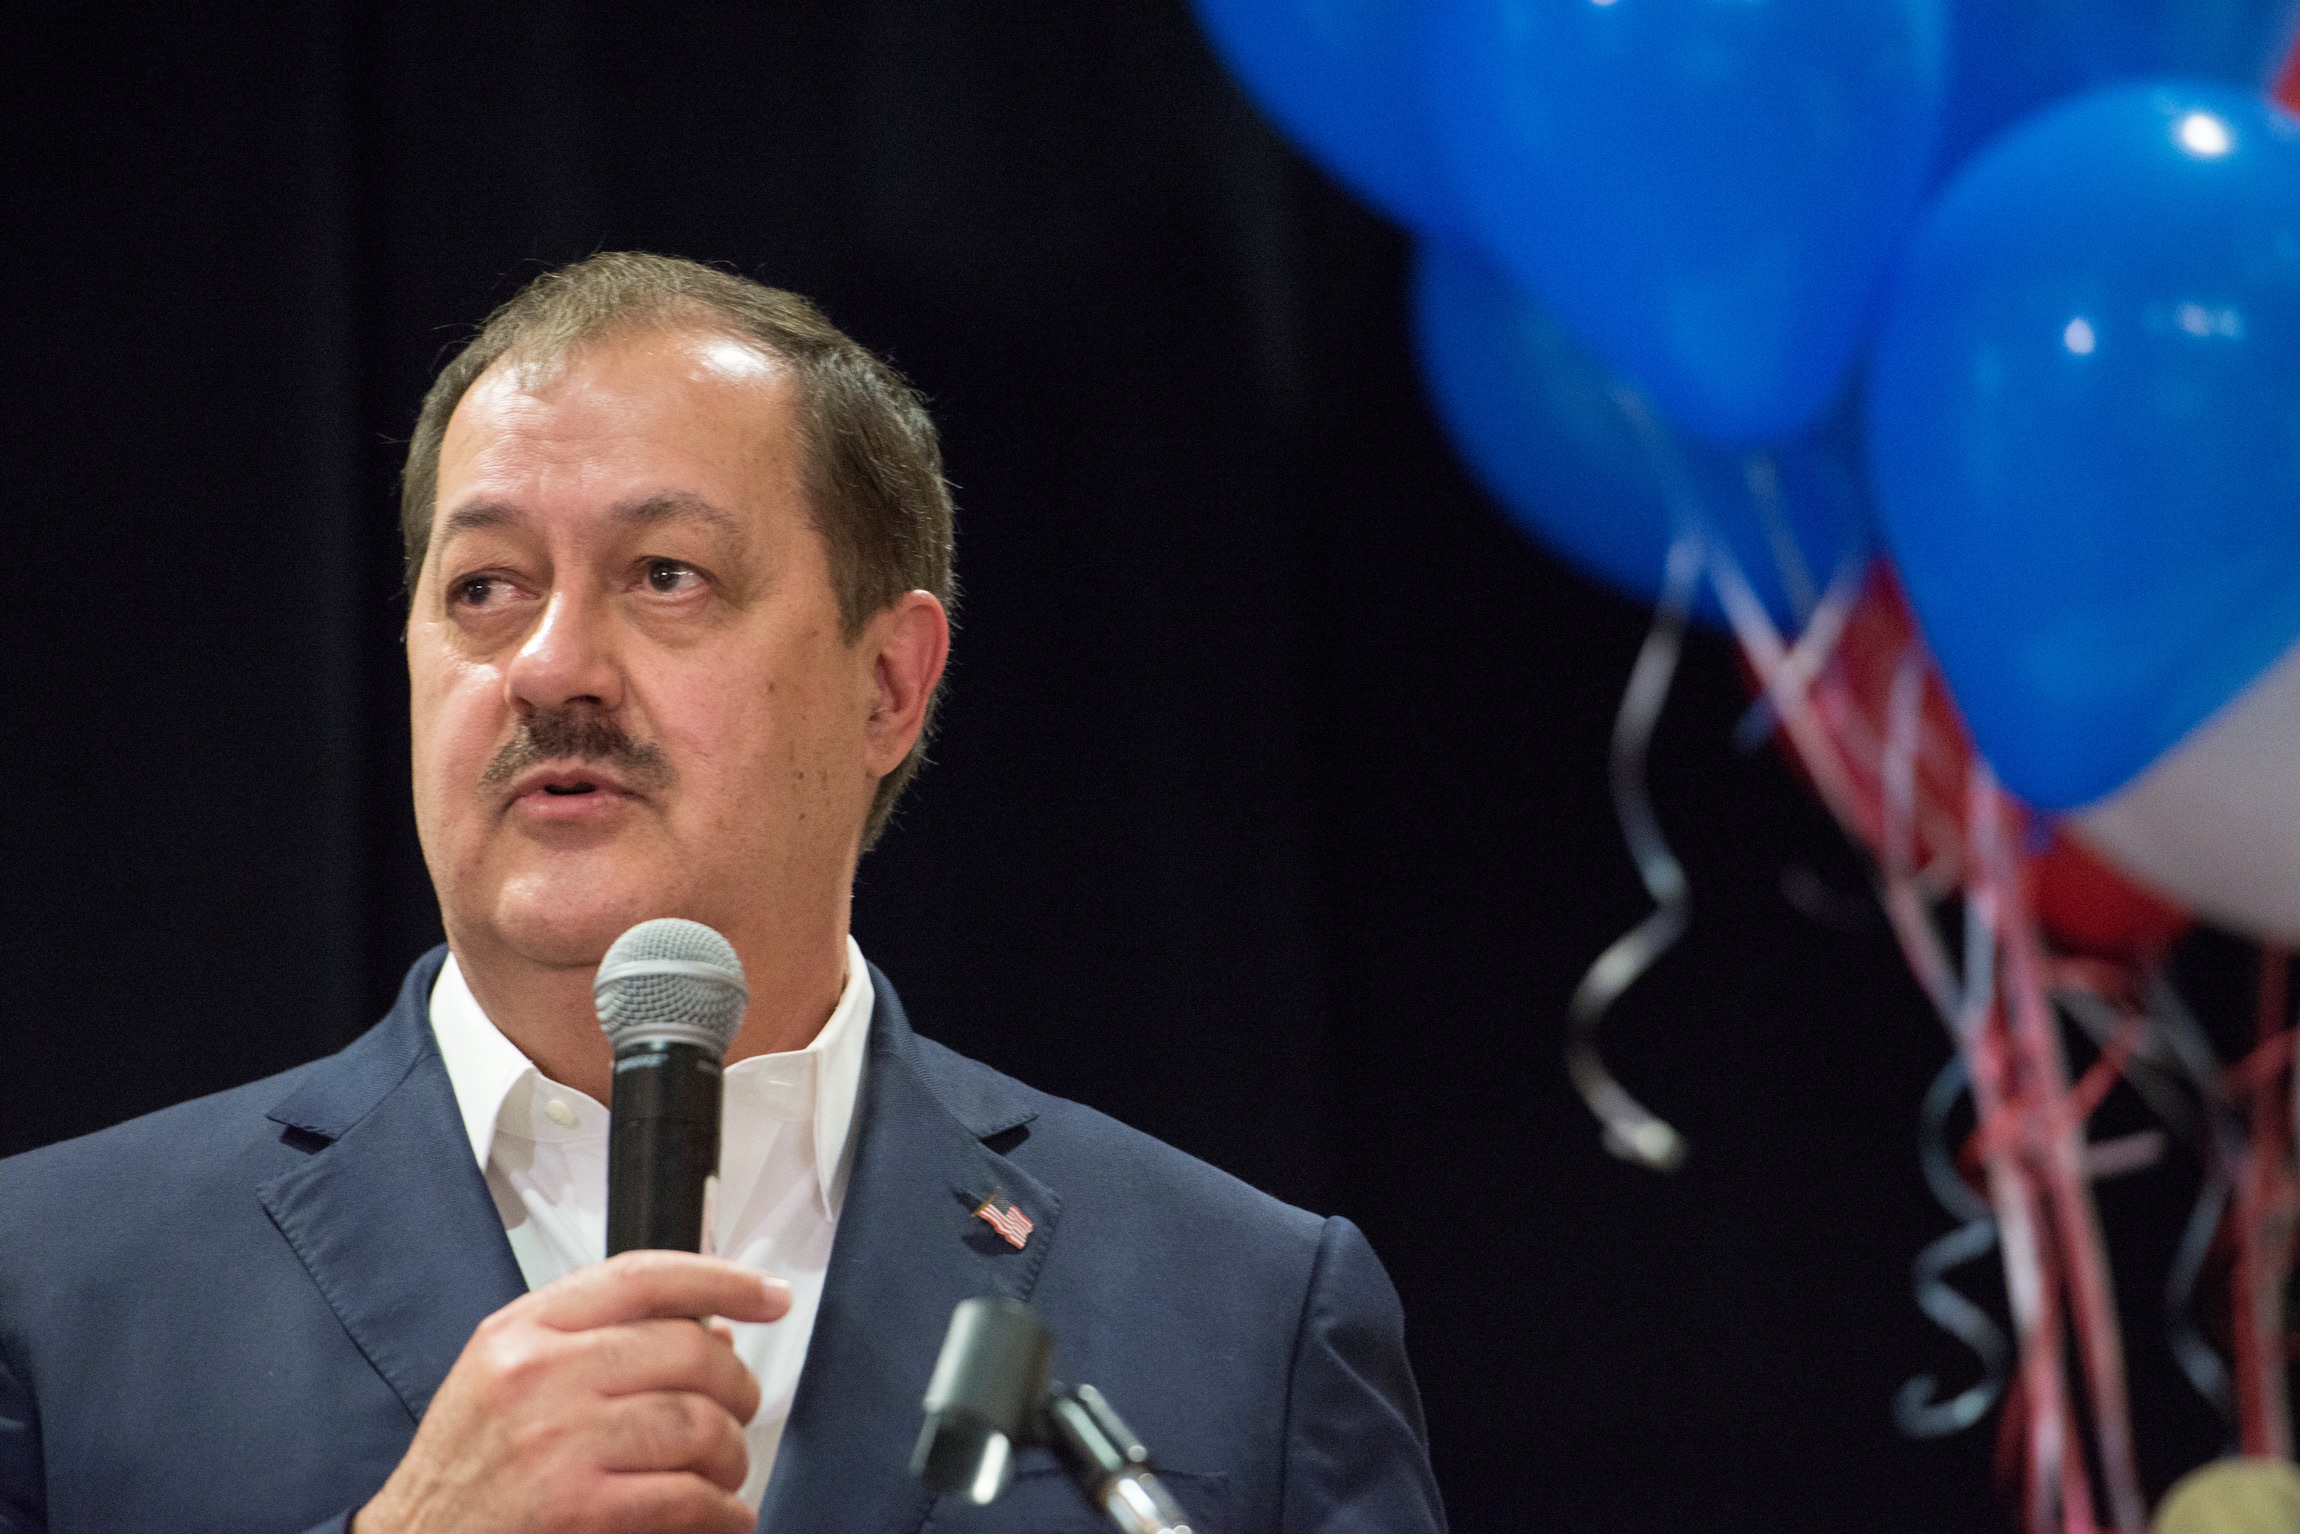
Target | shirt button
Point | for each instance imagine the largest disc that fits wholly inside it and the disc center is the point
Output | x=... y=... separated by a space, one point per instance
x=559 y=1113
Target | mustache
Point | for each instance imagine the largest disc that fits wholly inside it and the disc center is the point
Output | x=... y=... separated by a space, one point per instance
x=578 y=732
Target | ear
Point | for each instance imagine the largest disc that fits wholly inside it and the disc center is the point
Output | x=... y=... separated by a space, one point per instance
x=907 y=644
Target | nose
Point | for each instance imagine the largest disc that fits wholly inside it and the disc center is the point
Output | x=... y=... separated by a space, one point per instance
x=569 y=657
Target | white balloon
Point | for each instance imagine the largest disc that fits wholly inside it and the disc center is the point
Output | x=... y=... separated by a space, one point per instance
x=2214 y=823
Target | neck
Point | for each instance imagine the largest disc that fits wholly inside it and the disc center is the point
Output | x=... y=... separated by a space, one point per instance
x=796 y=973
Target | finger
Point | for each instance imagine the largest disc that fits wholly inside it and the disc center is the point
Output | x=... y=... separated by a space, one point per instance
x=722 y=1330
x=672 y=1430
x=672 y=1502
x=640 y=1356
x=638 y=1286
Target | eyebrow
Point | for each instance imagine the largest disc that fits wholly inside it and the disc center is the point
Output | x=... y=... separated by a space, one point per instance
x=649 y=511
x=677 y=506
x=475 y=516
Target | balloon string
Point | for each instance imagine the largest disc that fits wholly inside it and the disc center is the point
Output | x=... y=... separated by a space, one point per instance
x=2011 y=1051
x=2207 y=1375
x=2079 y=1101
x=1764 y=479
x=1948 y=1185
x=2192 y=1048
x=2031 y=1279
x=2149 y=1066
x=1788 y=673
x=1785 y=673
x=1914 y=1410
x=2100 y=1077
x=2057 y=1141
x=1803 y=662
x=2222 y=1150
x=1632 y=1131
x=1904 y=903
x=2171 y=1046
x=1968 y=1010
x=2259 y=1069
x=2265 y=1223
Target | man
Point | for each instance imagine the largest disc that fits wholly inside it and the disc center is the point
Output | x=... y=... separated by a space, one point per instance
x=679 y=556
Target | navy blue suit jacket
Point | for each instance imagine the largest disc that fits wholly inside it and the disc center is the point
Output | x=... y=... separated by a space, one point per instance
x=230 y=1315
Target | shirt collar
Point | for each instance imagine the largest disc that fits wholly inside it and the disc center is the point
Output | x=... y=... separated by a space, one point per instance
x=821 y=1081
x=482 y=1065
x=829 y=1070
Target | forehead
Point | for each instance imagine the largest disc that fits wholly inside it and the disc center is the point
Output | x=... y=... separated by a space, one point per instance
x=642 y=411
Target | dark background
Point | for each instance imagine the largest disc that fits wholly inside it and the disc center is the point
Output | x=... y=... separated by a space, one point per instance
x=1270 y=811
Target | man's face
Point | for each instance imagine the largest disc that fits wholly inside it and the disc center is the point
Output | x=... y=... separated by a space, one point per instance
x=630 y=693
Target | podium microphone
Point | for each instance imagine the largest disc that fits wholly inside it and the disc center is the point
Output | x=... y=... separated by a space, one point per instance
x=990 y=1398
x=1108 y=1464
x=982 y=1404
x=670 y=995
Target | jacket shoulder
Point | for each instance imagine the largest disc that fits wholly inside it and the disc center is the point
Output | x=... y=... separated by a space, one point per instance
x=1167 y=1275
x=150 y=1158
x=1087 y=1152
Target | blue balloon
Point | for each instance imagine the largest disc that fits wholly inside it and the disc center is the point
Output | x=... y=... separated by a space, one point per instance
x=1345 y=79
x=2013 y=56
x=2084 y=428
x=1707 y=192
x=1540 y=424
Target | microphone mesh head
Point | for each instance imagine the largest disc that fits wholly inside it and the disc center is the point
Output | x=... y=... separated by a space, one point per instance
x=671 y=981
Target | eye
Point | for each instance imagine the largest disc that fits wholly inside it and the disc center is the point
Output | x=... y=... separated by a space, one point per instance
x=476 y=591
x=668 y=577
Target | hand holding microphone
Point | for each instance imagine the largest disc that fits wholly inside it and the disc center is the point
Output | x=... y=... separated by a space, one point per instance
x=596 y=1403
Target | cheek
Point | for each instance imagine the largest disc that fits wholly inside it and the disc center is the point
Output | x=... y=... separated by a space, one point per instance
x=761 y=743
x=455 y=718
x=726 y=742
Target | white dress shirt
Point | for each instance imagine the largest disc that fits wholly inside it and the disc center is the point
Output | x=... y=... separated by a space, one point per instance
x=784 y=1149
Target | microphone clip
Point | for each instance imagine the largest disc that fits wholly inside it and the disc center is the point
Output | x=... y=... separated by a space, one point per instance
x=1108 y=1464
x=991 y=1397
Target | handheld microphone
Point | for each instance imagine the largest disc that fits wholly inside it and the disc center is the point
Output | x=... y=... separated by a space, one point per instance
x=670 y=995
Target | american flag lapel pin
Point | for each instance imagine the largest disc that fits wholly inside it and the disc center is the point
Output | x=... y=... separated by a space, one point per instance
x=999 y=1213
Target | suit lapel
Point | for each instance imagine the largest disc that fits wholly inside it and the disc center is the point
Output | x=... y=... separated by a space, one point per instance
x=394 y=1222
x=909 y=1248
x=389 y=1213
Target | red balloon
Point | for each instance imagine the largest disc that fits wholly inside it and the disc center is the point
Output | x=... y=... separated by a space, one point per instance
x=2091 y=908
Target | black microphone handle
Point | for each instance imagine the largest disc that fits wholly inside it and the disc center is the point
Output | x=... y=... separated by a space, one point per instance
x=662 y=1146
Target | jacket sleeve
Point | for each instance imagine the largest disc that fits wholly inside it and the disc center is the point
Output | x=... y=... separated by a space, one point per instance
x=23 y=1480
x=1357 y=1453
x=23 y=1483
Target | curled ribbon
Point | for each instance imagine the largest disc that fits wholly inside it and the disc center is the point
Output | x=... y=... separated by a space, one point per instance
x=1632 y=1131
x=1914 y=1410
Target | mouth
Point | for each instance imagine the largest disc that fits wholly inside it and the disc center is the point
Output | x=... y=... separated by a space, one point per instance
x=560 y=790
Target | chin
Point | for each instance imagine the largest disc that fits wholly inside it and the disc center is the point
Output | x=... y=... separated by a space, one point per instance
x=568 y=922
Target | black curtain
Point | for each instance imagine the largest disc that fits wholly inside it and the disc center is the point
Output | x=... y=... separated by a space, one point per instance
x=1270 y=811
